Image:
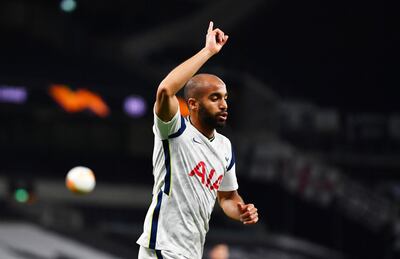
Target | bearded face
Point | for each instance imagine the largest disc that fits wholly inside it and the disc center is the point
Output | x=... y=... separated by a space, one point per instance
x=216 y=120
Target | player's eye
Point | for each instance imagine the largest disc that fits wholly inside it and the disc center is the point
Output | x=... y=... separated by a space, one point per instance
x=214 y=98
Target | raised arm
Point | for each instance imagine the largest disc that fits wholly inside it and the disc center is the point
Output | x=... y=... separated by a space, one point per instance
x=234 y=207
x=166 y=104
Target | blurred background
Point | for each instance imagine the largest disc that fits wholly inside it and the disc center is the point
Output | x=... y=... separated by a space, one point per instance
x=314 y=119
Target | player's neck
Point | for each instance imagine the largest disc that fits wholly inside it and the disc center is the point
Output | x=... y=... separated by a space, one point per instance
x=208 y=132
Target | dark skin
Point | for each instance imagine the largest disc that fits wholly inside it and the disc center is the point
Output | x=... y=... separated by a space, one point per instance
x=209 y=92
x=207 y=100
x=207 y=97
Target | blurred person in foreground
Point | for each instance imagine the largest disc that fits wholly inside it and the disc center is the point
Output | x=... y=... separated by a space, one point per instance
x=193 y=164
x=220 y=251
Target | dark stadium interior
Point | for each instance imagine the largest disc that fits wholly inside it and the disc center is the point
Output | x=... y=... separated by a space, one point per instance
x=314 y=119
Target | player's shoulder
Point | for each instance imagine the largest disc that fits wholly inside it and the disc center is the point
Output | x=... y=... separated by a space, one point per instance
x=223 y=139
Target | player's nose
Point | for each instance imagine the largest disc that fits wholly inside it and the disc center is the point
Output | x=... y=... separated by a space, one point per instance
x=223 y=105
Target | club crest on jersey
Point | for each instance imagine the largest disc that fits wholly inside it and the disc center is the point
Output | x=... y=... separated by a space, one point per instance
x=200 y=171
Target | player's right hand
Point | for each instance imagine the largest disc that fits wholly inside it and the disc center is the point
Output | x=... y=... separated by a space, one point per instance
x=215 y=39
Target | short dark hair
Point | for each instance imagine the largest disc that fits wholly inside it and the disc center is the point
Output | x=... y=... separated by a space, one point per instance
x=188 y=90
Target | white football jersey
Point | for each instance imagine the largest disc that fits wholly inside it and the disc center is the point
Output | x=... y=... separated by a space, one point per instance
x=188 y=171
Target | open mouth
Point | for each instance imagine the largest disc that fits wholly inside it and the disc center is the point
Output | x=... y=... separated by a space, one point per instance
x=223 y=116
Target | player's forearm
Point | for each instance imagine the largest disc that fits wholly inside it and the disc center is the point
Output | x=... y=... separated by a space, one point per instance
x=177 y=78
x=230 y=207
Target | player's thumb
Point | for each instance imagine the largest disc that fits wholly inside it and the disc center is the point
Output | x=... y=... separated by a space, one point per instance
x=241 y=206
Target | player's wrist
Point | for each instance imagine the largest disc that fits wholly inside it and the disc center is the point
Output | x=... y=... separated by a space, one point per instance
x=208 y=52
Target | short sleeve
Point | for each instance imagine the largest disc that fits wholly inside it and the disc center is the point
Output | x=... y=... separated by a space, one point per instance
x=165 y=129
x=229 y=182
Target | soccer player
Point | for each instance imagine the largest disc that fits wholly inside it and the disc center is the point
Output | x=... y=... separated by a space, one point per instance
x=193 y=164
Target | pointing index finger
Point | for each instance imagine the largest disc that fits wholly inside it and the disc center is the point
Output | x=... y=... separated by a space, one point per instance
x=210 y=27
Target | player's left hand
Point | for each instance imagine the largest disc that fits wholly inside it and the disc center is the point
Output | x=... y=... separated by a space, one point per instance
x=215 y=39
x=248 y=213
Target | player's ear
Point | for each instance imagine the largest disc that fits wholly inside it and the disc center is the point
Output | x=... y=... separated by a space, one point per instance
x=193 y=104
